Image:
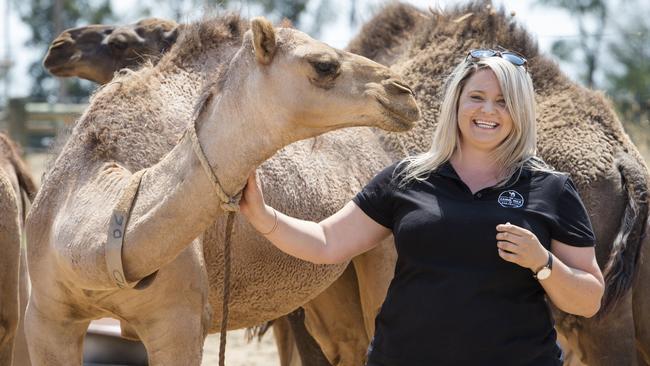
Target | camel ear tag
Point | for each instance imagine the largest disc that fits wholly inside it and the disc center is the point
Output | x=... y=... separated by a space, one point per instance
x=263 y=40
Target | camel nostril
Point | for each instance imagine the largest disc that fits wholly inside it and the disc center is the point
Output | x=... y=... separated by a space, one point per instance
x=398 y=87
x=60 y=42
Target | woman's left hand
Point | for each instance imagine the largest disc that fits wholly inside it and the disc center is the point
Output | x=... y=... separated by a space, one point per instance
x=518 y=245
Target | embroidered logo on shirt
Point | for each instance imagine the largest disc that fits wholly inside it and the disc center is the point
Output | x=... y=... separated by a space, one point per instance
x=511 y=199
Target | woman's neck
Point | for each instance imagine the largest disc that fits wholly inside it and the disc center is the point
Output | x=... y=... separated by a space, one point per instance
x=476 y=169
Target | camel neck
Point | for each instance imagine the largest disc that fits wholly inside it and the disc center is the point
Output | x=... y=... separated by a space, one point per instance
x=176 y=193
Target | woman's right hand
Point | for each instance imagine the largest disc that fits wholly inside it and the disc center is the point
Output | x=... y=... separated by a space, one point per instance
x=347 y=233
x=252 y=203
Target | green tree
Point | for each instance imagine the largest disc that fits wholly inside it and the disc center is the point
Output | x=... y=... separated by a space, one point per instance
x=628 y=80
x=47 y=18
x=615 y=33
x=631 y=87
x=591 y=18
x=276 y=10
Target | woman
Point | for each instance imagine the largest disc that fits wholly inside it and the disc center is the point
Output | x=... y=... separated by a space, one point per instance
x=483 y=230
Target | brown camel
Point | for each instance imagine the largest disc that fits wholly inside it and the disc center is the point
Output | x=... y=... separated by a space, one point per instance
x=269 y=88
x=16 y=188
x=578 y=133
x=424 y=46
x=95 y=52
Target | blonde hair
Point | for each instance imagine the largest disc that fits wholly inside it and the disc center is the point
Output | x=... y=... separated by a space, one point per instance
x=518 y=148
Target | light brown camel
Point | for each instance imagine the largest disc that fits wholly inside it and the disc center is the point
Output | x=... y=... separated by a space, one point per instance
x=425 y=45
x=270 y=88
x=95 y=52
x=84 y=52
x=16 y=188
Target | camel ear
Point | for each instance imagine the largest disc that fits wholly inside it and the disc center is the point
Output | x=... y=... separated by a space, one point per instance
x=171 y=36
x=263 y=40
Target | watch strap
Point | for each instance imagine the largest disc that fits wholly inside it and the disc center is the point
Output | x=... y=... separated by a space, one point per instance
x=548 y=265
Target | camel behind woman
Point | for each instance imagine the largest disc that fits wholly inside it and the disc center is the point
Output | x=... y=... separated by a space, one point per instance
x=267 y=89
x=16 y=189
x=578 y=132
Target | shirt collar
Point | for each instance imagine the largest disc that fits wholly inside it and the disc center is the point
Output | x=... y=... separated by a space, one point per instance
x=448 y=171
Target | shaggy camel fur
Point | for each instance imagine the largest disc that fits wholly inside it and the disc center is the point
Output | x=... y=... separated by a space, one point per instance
x=16 y=187
x=425 y=46
x=579 y=133
x=95 y=52
x=291 y=86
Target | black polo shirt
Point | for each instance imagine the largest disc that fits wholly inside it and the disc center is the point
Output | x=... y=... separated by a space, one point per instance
x=453 y=300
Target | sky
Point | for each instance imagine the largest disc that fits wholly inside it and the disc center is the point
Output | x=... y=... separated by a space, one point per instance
x=545 y=24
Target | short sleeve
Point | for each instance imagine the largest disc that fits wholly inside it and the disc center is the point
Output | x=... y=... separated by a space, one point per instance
x=376 y=198
x=571 y=224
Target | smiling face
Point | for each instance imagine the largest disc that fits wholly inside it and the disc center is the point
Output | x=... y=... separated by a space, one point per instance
x=483 y=117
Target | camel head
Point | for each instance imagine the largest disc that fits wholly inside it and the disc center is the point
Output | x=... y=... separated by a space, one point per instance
x=292 y=86
x=95 y=52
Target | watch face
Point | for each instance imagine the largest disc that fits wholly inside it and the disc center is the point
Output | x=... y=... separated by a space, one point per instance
x=544 y=273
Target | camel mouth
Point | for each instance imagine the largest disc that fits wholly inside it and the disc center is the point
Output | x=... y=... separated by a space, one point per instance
x=403 y=117
x=59 y=70
x=57 y=59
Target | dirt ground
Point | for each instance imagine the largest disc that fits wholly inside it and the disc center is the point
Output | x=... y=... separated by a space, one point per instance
x=239 y=352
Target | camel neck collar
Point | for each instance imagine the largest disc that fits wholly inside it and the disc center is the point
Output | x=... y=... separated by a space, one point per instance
x=228 y=203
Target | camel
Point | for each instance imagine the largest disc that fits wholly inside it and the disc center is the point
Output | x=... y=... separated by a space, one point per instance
x=95 y=52
x=424 y=46
x=95 y=61
x=16 y=189
x=266 y=88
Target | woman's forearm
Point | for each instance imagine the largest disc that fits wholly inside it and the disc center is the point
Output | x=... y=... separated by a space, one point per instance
x=572 y=290
x=302 y=239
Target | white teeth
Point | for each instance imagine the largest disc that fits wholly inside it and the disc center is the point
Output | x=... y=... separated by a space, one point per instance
x=486 y=124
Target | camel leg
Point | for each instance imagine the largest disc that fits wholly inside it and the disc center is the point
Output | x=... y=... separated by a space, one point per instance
x=54 y=339
x=128 y=332
x=9 y=267
x=21 y=354
x=285 y=342
x=335 y=320
x=173 y=336
x=173 y=328
x=374 y=271
x=308 y=349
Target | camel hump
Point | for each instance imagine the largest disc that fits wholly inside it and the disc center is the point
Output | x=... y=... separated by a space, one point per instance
x=387 y=29
x=621 y=267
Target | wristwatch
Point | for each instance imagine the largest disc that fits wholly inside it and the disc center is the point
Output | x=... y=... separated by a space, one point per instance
x=545 y=272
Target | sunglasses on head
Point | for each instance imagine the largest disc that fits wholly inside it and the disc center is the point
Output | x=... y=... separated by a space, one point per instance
x=513 y=57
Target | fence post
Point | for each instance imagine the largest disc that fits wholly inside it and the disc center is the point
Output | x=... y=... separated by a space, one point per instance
x=18 y=121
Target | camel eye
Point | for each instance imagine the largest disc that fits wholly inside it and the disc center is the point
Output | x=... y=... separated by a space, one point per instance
x=325 y=68
x=117 y=44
